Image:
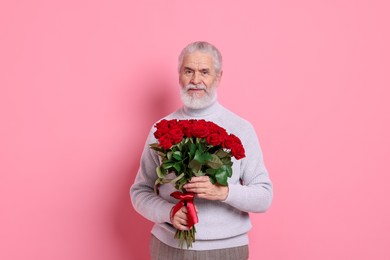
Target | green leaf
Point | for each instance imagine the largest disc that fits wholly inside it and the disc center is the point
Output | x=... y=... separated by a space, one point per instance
x=202 y=157
x=169 y=155
x=179 y=184
x=192 y=150
x=229 y=170
x=222 y=154
x=221 y=177
x=211 y=172
x=178 y=166
x=167 y=165
x=160 y=172
x=162 y=154
x=177 y=178
x=227 y=160
x=156 y=147
x=215 y=162
x=195 y=166
x=199 y=173
x=177 y=155
x=222 y=174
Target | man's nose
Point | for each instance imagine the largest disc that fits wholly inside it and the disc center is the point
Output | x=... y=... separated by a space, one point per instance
x=196 y=78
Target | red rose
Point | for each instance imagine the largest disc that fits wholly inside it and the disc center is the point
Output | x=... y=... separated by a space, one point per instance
x=176 y=135
x=213 y=128
x=186 y=127
x=163 y=124
x=222 y=133
x=229 y=142
x=200 y=130
x=235 y=138
x=199 y=122
x=165 y=142
x=159 y=133
x=172 y=123
x=214 y=139
x=162 y=128
x=238 y=151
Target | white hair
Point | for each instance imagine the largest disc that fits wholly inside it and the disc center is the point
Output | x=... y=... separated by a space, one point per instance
x=202 y=47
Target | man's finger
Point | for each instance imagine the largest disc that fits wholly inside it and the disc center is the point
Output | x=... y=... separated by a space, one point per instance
x=198 y=184
x=200 y=179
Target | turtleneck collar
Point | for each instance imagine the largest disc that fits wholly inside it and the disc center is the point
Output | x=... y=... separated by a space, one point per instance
x=202 y=112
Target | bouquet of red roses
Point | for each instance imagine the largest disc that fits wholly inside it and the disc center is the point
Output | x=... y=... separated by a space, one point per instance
x=193 y=148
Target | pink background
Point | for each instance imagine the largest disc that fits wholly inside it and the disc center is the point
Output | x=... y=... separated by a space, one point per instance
x=83 y=81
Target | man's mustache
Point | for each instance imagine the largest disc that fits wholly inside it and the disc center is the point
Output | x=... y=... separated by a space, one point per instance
x=193 y=86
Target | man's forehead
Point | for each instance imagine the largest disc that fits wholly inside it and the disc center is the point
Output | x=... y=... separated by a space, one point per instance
x=198 y=60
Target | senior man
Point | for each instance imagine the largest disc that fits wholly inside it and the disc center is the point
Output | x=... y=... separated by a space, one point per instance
x=221 y=232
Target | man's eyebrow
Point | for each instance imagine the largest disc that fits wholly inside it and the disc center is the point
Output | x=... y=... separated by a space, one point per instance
x=188 y=68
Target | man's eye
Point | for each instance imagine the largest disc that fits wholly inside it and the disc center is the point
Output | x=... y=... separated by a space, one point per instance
x=205 y=72
x=188 y=72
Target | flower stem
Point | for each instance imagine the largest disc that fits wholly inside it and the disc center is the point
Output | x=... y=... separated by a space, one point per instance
x=187 y=236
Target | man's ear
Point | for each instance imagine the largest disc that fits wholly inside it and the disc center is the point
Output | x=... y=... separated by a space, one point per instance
x=219 y=76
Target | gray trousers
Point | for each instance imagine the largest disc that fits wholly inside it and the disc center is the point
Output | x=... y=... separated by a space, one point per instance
x=161 y=251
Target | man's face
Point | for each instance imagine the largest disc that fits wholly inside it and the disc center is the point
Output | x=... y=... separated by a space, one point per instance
x=198 y=79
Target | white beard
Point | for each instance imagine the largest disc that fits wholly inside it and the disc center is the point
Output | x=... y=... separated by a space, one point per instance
x=195 y=102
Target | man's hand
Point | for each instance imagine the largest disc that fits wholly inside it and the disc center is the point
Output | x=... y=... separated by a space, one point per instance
x=204 y=189
x=180 y=220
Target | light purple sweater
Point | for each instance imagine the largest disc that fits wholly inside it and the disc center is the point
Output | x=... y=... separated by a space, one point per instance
x=222 y=224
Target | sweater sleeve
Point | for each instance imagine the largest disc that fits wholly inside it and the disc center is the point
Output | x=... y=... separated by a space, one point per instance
x=145 y=201
x=255 y=193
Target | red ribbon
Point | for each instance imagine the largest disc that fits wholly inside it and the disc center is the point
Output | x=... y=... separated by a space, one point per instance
x=186 y=199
